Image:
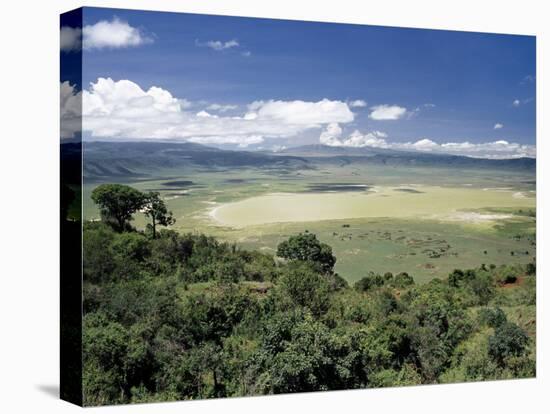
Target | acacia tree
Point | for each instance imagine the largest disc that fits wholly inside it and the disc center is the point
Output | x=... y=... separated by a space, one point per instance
x=155 y=208
x=117 y=203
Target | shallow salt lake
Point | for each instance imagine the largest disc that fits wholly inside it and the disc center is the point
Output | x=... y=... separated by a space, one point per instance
x=423 y=201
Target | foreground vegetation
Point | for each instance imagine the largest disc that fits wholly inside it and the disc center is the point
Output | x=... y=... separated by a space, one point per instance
x=170 y=316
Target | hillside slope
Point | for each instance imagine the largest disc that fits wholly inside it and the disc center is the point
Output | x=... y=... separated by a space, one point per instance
x=143 y=159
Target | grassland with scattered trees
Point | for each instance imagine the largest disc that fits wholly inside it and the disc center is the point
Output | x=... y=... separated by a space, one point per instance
x=171 y=316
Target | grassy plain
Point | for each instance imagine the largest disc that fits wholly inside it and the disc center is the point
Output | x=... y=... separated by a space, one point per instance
x=426 y=221
x=402 y=202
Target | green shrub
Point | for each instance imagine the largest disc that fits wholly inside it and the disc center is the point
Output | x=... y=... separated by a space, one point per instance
x=509 y=340
x=306 y=288
x=306 y=247
x=373 y=280
x=403 y=280
x=494 y=317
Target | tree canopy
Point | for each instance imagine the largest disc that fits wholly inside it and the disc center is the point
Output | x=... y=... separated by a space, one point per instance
x=117 y=203
x=306 y=247
x=155 y=208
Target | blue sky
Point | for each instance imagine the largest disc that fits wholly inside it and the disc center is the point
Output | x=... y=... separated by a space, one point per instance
x=338 y=84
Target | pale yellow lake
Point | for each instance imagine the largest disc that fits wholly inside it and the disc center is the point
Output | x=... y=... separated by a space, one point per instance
x=428 y=202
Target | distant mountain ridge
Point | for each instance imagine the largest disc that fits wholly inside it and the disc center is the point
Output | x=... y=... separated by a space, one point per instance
x=398 y=157
x=326 y=150
x=109 y=159
x=105 y=159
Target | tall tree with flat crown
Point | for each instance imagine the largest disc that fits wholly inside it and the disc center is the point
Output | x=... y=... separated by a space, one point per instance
x=117 y=203
x=155 y=208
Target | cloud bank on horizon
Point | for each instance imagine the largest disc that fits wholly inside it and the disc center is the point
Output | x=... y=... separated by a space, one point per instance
x=332 y=136
x=123 y=110
x=291 y=110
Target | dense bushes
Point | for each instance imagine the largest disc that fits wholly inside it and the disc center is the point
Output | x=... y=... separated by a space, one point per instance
x=492 y=317
x=186 y=316
x=509 y=340
x=195 y=258
x=305 y=288
x=374 y=280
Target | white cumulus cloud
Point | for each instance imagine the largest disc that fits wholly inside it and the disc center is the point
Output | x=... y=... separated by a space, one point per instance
x=387 y=112
x=358 y=103
x=332 y=135
x=125 y=98
x=112 y=34
x=498 y=126
x=123 y=110
x=516 y=102
x=300 y=112
x=104 y=34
